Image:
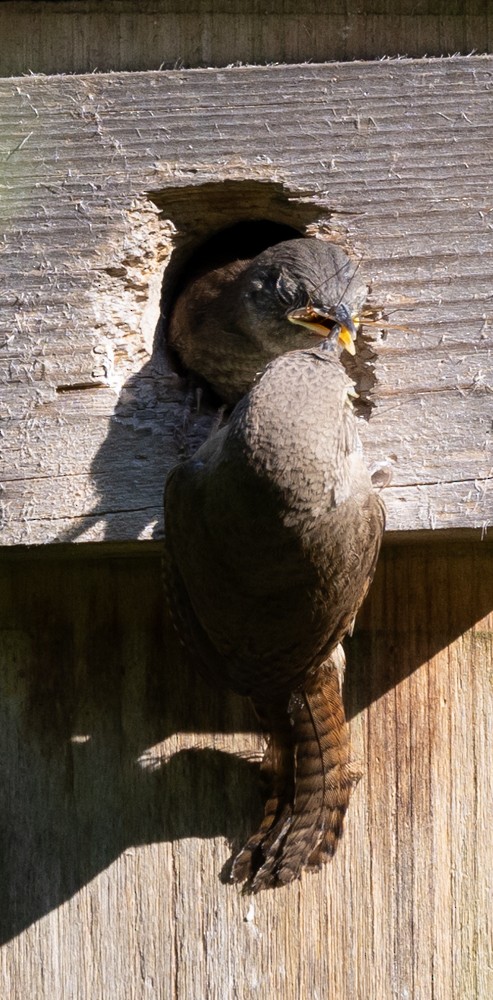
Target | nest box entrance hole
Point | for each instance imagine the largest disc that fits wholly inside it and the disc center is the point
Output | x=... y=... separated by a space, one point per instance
x=221 y=221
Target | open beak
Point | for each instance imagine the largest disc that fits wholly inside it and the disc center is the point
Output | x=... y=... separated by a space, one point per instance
x=327 y=322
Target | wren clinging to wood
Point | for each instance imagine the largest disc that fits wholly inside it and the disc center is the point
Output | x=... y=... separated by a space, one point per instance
x=230 y=320
x=272 y=535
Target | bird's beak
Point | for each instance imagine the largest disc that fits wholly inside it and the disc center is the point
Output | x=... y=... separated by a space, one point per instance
x=327 y=322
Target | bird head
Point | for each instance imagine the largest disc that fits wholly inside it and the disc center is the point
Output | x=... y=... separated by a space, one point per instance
x=299 y=292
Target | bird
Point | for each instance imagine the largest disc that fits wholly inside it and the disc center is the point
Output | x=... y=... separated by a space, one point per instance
x=272 y=533
x=230 y=318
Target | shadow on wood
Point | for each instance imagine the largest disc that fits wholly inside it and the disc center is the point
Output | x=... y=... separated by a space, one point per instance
x=97 y=705
x=422 y=599
x=89 y=687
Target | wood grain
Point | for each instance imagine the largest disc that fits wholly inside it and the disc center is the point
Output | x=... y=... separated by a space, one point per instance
x=125 y=780
x=67 y=36
x=108 y=178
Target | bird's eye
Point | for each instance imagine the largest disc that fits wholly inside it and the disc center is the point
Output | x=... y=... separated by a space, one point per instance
x=293 y=297
x=284 y=294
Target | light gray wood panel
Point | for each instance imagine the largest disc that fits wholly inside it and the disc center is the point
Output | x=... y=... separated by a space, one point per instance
x=107 y=179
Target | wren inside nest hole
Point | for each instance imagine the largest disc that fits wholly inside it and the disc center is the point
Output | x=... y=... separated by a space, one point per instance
x=232 y=218
x=239 y=241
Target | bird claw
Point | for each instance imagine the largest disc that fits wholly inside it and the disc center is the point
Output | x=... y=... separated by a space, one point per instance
x=257 y=861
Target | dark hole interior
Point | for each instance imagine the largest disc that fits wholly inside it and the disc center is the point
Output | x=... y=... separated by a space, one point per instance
x=240 y=241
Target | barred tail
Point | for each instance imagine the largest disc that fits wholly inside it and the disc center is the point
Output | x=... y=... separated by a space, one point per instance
x=277 y=771
x=324 y=777
x=312 y=780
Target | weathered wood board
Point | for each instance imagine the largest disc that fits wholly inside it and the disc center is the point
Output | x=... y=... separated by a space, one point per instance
x=125 y=780
x=67 y=36
x=106 y=179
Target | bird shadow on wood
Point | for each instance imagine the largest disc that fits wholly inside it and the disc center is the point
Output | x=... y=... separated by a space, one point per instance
x=147 y=433
x=110 y=739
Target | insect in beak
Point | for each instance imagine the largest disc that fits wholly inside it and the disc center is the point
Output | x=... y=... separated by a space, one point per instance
x=337 y=321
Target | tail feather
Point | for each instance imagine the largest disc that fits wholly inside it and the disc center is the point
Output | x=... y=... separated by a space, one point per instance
x=311 y=787
x=339 y=776
x=322 y=767
x=277 y=769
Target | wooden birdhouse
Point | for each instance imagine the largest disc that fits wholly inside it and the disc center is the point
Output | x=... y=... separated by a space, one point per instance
x=130 y=136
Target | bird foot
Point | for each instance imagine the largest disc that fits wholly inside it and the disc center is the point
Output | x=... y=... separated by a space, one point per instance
x=257 y=857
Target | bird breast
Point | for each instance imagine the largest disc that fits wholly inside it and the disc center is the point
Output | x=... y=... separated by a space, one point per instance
x=297 y=430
